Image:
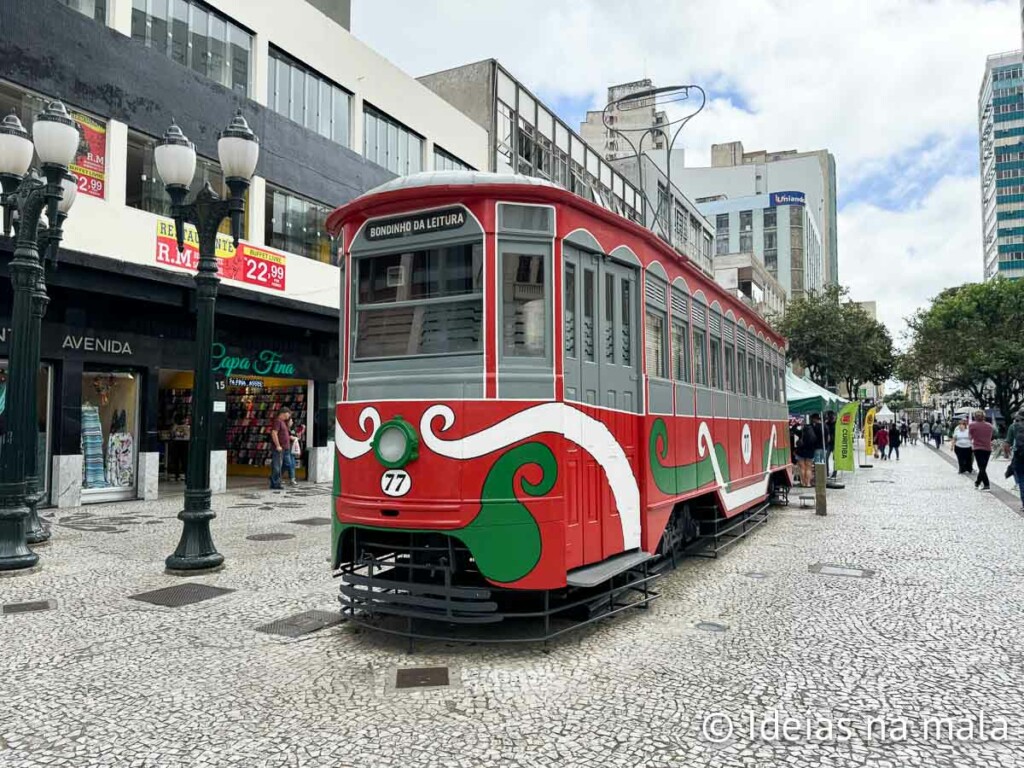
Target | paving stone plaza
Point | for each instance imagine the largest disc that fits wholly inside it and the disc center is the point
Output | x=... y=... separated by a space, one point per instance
x=894 y=622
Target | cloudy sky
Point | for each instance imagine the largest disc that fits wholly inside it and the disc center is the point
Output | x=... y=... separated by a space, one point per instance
x=889 y=86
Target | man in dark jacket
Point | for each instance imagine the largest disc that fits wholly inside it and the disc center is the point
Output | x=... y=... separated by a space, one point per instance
x=830 y=440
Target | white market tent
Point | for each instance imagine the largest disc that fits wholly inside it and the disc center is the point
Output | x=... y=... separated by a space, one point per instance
x=885 y=414
x=804 y=396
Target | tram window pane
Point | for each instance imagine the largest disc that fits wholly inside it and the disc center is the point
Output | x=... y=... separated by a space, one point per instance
x=741 y=369
x=752 y=375
x=730 y=368
x=700 y=367
x=680 y=354
x=609 y=318
x=627 y=325
x=423 y=302
x=654 y=344
x=524 y=317
x=588 y=315
x=716 y=363
x=569 y=308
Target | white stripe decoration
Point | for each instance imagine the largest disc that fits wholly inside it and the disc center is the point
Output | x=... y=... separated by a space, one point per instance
x=351 y=448
x=549 y=418
x=733 y=499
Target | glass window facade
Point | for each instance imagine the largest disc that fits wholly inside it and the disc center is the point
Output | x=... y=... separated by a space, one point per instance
x=198 y=37
x=297 y=225
x=722 y=234
x=390 y=144
x=307 y=98
x=94 y=9
x=445 y=161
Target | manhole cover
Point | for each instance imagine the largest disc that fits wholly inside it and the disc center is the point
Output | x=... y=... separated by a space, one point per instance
x=756 y=576
x=182 y=594
x=30 y=607
x=890 y=482
x=270 y=536
x=711 y=626
x=312 y=521
x=841 y=570
x=301 y=623
x=243 y=506
x=421 y=677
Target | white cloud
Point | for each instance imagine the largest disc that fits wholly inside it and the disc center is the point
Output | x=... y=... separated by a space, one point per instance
x=901 y=259
x=872 y=80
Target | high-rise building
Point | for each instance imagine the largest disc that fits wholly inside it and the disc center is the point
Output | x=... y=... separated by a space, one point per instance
x=1001 y=150
x=628 y=123
x=735 y=173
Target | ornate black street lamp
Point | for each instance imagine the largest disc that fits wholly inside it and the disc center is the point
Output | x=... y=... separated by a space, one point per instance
x=55 y=137
x=238 y=150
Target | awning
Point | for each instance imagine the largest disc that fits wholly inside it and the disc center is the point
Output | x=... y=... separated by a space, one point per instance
x=804 y=396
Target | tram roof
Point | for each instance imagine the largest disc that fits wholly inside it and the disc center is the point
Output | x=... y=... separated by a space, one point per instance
x=457 y=179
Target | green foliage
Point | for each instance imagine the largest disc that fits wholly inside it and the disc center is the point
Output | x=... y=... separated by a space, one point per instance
x=969 y=340
x=835 y=340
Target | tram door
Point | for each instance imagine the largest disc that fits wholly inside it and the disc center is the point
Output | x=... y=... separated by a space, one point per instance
x=601 y=368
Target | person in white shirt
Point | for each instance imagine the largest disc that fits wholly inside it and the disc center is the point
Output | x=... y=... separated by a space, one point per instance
x=962 y=448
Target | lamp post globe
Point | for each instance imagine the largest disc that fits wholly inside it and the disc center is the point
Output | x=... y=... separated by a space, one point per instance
x=69 y=185
x=15 y=147
x=238 y=149
x=55 y=135
x=175 y=158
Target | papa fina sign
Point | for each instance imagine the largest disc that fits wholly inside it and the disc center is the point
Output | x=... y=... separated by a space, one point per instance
x=265 y=363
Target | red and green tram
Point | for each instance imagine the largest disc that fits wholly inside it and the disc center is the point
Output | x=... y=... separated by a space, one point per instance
x=538 y=399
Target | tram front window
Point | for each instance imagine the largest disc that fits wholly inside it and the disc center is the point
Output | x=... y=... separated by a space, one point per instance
x=423 y=302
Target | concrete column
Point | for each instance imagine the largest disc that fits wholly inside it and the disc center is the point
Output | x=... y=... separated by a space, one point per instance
x=261 y=61
x=357 y=123
x=119 y=16
x=117 y=163
x=257 y=210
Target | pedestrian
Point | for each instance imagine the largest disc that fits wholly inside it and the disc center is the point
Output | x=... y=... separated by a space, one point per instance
x=915 y=430
x=281 y=441
x=962 y=448
x=882 y=441
x=904 y=432
x=288 y=463
x=981 y=443
x=926 y=431
x=807 y=444
x=937 y=434
x=895 y=440
x=830 y=441
x=1016 y=434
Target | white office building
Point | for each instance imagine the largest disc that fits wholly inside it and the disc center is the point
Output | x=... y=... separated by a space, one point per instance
x=735 y=173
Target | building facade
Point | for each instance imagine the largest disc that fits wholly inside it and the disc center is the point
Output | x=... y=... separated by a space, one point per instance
x=776 y=230
x=1001 y=155
x=736 y=173
x=334 y=119
x=744 y=276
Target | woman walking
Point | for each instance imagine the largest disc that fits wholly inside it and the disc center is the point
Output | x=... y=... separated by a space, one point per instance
x=937 y=434
x=882 y=441
x=981 y=442
x=962 y=448
x=806 y=447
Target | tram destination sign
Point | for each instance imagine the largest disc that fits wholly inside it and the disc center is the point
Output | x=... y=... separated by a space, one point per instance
x=416 y=224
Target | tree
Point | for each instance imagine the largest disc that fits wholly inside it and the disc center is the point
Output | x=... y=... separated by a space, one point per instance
x=969 y=340
x=836 y=340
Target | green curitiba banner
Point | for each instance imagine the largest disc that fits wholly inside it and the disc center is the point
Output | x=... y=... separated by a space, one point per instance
x=846 y=423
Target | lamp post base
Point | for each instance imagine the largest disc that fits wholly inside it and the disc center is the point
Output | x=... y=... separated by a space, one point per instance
x=14 y=552
x=195 y=551
x=35 y=531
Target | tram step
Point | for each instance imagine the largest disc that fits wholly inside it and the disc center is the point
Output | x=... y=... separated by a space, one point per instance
x=598 y=573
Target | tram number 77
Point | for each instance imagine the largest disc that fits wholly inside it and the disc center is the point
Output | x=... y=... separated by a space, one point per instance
x=395 y=482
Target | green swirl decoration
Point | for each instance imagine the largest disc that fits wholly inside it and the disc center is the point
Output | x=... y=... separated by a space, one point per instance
x=683 y=478
x=503 y=536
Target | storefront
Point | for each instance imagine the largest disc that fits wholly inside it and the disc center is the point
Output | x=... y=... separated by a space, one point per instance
x=115 y=387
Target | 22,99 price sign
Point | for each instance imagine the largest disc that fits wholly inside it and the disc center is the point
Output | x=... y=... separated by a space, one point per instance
x=250 y=264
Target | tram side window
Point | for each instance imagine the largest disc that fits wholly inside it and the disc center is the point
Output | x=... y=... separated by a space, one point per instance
x=760 y=380
x=569 y=308
x=426 y=302
x=730 y=367
x=741 y=368
x=680 y=353
x=700 y=367
x=752 y=372
x=654 y=343
x=524 y=303
x=716 y=363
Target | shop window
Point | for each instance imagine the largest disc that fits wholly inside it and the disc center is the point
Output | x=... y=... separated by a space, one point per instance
x=110 y=402
x=524 y=302
x=198 y=37
x=296 y=225
x=94 y=9
x=308 y=98
x=390 y=144
x=425 y=302
x=145 y=190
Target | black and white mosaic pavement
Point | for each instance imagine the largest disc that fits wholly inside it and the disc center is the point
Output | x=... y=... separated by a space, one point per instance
x=935 y=632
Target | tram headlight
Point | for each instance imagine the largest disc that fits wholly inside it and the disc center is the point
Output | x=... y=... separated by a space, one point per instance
x=396 y=443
